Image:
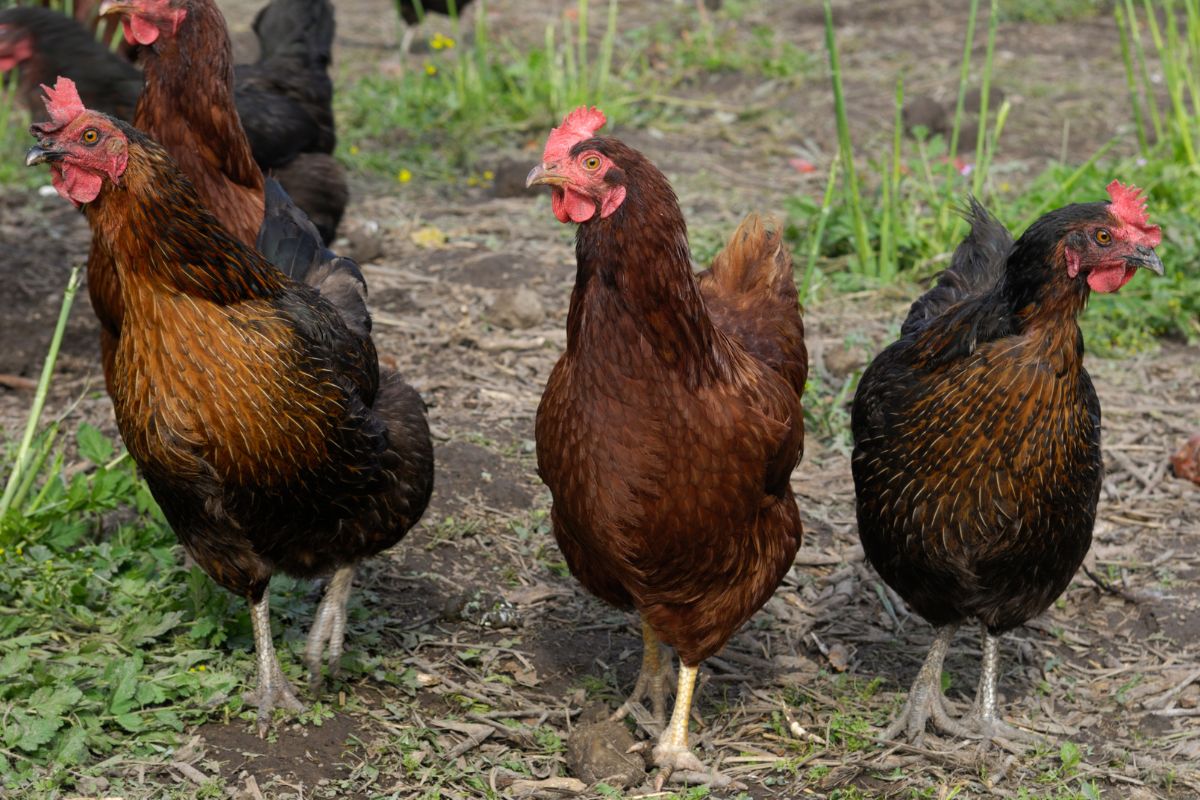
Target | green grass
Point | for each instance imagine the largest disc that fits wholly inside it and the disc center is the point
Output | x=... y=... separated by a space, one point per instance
x=91 y=594
x=437 y=118
x=431 y=120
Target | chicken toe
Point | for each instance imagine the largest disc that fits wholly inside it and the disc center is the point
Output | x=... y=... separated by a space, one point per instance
x=651 y=680
x=329 y=627
x=273 y=688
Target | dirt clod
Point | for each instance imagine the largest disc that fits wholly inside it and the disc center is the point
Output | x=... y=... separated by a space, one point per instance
x=516 y=308
x=598 y=751
x=925 y=112
x=509 y=178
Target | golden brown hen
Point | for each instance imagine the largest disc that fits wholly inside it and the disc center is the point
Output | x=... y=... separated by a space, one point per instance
x=670 y=427
x=252 y=403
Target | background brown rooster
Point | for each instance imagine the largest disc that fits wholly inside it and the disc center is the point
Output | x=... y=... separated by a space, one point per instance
x=253 y=404
x=670 y=427
x=977 y=462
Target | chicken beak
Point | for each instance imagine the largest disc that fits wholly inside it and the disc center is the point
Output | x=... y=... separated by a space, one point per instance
x=42 y=155
x=1145 y=257
x=544 y=174
x=110 y=7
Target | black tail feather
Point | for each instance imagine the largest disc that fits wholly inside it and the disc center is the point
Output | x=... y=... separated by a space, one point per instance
x=975 y=268
x=291 y=242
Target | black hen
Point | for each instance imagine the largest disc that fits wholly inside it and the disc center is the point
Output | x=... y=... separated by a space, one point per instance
x=977 y=436
x=285 y=101
x=42 y=44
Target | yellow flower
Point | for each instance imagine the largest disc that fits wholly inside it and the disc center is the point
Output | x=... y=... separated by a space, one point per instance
x=404 y=176
x=353 y=149
x=440 y=42
x=472 y=180
x=488 y=175
x=430 y=69
x=201 y=668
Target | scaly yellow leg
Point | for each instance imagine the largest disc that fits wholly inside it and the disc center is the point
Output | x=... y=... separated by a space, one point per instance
x=672 y=753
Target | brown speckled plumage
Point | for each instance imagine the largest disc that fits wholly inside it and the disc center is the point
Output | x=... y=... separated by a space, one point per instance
x=259 y=419
x=977 y=435
x=670 y=426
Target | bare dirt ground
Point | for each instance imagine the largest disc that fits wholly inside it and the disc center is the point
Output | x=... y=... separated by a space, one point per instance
x=503 y=655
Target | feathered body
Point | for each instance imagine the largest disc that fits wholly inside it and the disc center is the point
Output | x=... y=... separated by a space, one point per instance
x=977 y=440
x=977 y=463
x=251 y=401
x=206 y=138
x=667 y=434
x=257 y=415
x=671 y=424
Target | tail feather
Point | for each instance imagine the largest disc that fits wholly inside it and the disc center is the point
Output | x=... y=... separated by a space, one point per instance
x=755 y=262
x=751 y=295
x=290 y=241
x=975 y=268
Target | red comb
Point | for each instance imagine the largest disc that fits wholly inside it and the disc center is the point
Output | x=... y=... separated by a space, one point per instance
x=63 y=102
x=580 y=124
x=1128 y=205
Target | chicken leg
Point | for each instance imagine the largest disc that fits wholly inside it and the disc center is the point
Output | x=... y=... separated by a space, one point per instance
x=925 y=698
x=651 y=680
x=272 y=688
x=329 y=627
x=982 y=722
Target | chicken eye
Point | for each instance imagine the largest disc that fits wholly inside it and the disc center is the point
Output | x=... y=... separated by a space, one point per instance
x=591 y=163
x=1103 y=237
x=91 y=136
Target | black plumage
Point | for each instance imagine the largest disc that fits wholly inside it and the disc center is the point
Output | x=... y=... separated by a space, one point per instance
x=977 y=462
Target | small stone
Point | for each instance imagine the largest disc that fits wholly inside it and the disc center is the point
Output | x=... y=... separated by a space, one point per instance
x=516 y=308
x=599 y=751
x=366 y=241
x=841 y=361
x=968 y=133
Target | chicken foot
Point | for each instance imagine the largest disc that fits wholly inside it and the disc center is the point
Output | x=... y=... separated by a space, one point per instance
x=671 y=754
x=329 y=627
x=272 y=689
x=925 y=698
x=651 y=680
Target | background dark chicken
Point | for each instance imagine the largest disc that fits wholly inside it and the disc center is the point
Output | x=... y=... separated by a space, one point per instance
x=42 y=44
x=670 y=427
x=977 y=461
x=414 y=11
x=252 y=403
